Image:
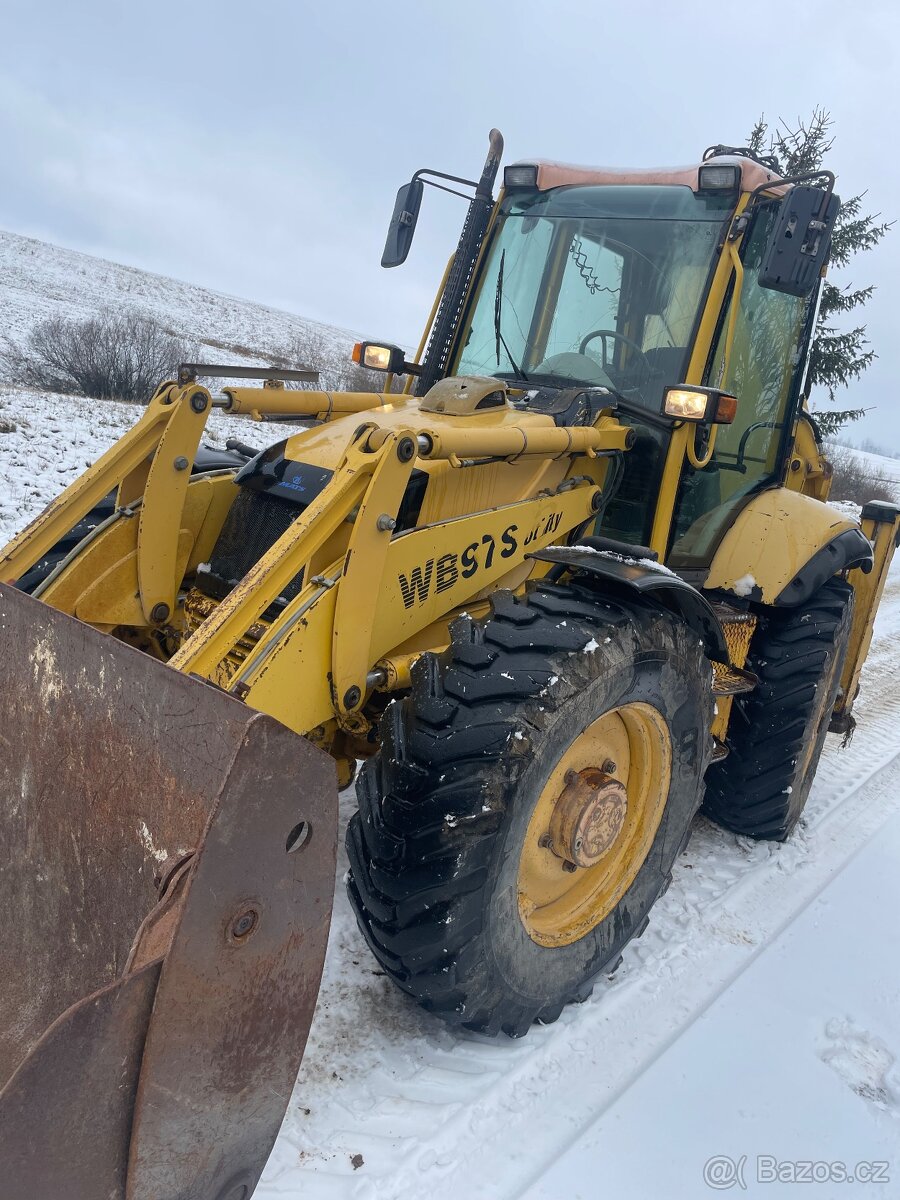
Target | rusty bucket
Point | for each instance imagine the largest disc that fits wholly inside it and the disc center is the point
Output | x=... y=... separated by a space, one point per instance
x=166 y=877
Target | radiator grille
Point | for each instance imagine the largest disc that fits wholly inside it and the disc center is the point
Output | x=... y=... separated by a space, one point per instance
x=254 y=523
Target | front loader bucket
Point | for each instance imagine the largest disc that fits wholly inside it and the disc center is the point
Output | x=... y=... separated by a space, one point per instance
x=166 y=876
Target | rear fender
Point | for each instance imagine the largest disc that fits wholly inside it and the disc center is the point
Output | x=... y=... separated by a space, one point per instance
x=782 y=546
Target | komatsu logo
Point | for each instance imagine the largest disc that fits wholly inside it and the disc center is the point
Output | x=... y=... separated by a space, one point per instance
x=437 y=575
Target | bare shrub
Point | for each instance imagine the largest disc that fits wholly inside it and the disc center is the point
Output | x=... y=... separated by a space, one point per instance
x=113 y=356
x=857 y=480
x=311 y=350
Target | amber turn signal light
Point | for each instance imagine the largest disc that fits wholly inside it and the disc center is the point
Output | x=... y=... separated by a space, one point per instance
x=726 y=409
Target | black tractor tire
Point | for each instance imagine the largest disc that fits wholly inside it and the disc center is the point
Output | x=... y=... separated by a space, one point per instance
x=445 y=804
x=777 y=731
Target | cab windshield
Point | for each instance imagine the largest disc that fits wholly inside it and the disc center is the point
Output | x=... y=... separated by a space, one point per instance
x=595 y=285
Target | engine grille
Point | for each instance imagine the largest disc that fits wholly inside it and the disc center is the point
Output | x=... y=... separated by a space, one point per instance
x=254 y=523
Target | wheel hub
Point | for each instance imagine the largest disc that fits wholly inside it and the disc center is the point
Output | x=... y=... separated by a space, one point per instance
x=588 y=817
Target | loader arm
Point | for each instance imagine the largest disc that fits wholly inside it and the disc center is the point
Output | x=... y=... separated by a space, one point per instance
x=124 y=467
x=149 y=467
x=415 y=578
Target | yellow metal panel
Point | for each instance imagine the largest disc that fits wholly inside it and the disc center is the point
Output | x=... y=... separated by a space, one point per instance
x=868 y=590
x=433 y=570
x=771 y=539
x=112 y=598
x=116 y=542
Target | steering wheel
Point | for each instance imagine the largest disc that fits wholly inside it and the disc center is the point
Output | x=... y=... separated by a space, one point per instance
x=618 y=337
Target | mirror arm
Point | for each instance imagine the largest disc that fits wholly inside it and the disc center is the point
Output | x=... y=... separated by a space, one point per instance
x=453 y=179
x=809 y=175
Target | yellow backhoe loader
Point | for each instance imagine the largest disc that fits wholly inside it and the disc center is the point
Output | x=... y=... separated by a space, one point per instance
x=576 y=581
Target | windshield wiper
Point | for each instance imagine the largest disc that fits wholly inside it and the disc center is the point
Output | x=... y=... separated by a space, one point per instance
x=498 y=336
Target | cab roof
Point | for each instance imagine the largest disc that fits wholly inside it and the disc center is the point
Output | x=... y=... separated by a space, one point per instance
x=554 y=174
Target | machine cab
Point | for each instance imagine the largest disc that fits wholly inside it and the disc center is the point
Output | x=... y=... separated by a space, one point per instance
x=638 y=282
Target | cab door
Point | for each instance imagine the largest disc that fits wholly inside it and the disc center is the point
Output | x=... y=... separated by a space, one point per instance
x=764 y=371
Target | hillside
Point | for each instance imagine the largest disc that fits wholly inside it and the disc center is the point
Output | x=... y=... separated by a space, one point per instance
x=38 y=280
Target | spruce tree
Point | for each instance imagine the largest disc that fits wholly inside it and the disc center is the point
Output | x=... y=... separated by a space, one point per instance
x=839 y=355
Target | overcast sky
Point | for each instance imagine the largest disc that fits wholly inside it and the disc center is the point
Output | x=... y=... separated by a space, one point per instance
x=256 y=148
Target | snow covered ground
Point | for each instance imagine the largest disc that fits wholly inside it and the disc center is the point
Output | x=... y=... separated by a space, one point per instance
x=878 y=464
x=759 y=1015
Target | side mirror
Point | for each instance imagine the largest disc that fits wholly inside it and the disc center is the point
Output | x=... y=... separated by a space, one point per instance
x=403 y=223
x=800 y=241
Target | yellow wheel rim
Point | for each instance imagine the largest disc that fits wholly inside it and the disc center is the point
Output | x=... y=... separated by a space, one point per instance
x=624 y=758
